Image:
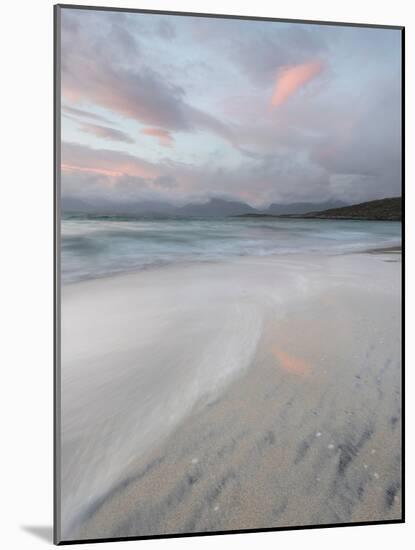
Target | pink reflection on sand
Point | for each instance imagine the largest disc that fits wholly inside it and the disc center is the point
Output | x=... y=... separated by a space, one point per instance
x=291 y=363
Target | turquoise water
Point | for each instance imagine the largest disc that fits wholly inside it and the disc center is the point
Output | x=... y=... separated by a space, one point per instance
x=98 y=246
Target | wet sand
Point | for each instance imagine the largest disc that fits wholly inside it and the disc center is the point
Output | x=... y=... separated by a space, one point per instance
x=305 y=431
x=386 y=250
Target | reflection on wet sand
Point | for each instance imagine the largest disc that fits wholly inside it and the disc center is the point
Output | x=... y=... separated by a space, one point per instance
x=291 y=363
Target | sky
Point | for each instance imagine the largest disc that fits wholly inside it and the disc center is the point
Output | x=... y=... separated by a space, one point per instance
x=182 y=109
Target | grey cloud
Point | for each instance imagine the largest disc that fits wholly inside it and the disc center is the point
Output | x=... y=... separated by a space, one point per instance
x=124 y=40
x=258 y=48
x=369 y=156
x=83 y=158
x=66 y=109
x=92 y=71
x=263 y=54
x=280 y=178
x=106 y=132
x=166 y=30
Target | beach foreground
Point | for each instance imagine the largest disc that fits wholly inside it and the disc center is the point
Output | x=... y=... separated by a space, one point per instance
x=253 y=393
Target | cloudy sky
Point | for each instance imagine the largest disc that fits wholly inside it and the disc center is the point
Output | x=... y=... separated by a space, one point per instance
x=182 y=109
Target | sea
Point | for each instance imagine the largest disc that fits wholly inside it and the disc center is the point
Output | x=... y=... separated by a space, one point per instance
x=95 y=246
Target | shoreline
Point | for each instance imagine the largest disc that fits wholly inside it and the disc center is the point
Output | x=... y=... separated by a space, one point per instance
x=190 y=263
x=386 y=250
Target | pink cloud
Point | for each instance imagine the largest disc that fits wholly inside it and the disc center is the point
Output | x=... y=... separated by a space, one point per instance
x=105 y=132
x=69 y=168
x=163 y=136
x=292 y=78
x=76 y=158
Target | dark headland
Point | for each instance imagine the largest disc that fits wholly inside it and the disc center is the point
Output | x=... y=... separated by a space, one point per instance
x=383 y=209
x=389 y=209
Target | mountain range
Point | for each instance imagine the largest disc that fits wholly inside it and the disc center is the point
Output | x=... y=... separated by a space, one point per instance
x=214 y=208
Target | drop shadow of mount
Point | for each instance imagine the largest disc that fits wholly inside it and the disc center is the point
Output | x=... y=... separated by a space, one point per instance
x=44 y=532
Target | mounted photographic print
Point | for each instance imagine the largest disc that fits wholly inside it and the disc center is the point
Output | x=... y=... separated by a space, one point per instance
x=228 y=352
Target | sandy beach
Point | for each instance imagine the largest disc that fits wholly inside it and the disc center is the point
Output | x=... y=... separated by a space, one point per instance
x=253 y=393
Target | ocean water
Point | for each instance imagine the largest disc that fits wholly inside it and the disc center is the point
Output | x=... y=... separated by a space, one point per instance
x=96 y=246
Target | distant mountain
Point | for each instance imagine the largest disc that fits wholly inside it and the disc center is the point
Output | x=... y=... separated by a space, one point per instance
x=223 y=208
x=383 y=209
x=213 y=208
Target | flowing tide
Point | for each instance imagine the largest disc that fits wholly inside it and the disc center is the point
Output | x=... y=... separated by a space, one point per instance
x=96 y=246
